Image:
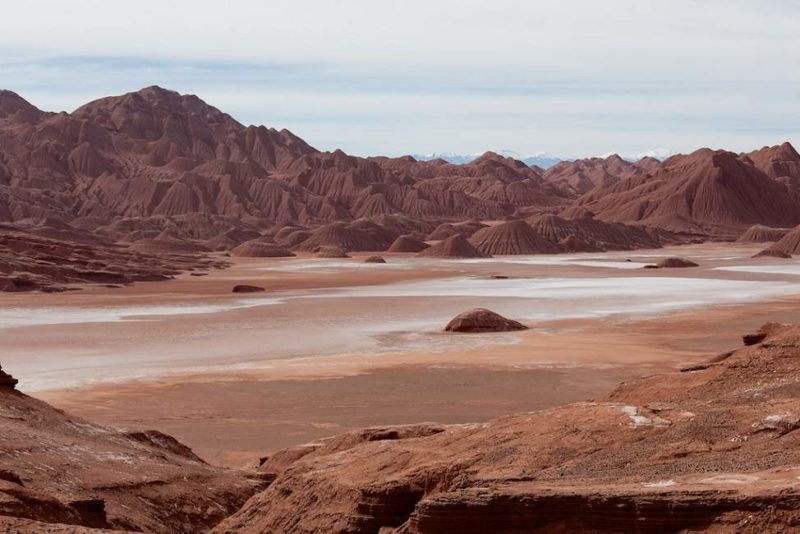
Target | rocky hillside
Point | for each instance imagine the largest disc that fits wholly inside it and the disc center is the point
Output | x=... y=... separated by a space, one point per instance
x=56 y=469
x=714 y=447
x=155 y=168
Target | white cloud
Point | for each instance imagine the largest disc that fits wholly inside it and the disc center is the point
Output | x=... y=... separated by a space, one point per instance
x=571 y=77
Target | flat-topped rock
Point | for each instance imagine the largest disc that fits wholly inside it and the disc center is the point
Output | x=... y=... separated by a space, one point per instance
x=482 y=320
x=672 y=263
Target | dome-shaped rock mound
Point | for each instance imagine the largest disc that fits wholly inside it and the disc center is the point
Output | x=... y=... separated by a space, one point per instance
x=358 y=236
x=455 y=246
x=770 y=253
x=790 y=243
x=482 y=320
x=374 y=259
x=259 y=249
x=407 y=243
x=244 y=288
x=514 y=237
x=762 y=234
x=332 y=252
x=671 y=263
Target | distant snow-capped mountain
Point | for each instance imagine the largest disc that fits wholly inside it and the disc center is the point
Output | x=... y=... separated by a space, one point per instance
x=540 y=159
x=543 y=160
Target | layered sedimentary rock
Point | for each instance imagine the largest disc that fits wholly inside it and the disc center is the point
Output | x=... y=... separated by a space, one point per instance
x=257 y=248
x=595 y=234
x=514 y=237
x=407 y=243
x=131 y=167
x=789 y=243
x=714 y=447
x=456 y=246
x=707 y=193
x=60 y=473
x=762 y=234
x=29 y=262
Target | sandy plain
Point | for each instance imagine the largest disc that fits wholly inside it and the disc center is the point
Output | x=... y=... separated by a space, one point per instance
x=336 y=345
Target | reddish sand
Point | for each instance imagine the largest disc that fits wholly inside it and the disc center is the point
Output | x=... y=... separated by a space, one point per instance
x=233 y=415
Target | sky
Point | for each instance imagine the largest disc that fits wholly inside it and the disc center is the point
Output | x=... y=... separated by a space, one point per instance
x=567 y=77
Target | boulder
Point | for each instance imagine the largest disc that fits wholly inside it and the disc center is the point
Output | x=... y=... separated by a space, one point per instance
x=482 y=320
x=672 y=263
x=244 y=288
x=374 y=259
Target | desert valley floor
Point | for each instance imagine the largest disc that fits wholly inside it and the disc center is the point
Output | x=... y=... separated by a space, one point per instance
x=338 y=344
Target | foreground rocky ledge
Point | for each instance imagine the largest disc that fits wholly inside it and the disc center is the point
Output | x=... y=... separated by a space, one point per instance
x=712 y=448
x=58 y=472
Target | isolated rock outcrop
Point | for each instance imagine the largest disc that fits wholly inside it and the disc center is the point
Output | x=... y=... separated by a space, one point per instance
x=244 y=288
x=762 y=234
x=407 y=243
x=456 y=246
x=788 y=244
x=374 y=259
x=673 y=263
x=259 y=249
x=514 y=237
x=331 y=252
x=482 y=320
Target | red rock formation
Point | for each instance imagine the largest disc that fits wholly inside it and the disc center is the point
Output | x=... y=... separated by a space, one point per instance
x=762 y=234
x=583 y=175
x=244 y=288
x=482 y=320
x=407 y=243
x=672 y=263
x=456 y=246
x=515 y=237
x=29 y=263
x=374 y=259
x=707 y=192
x=331 y=252
x=592 y=234
x=789 y=243
x=56 y=469
x=712 y=448
x=769 y=253
x=259 y=249
x=156 y=153
x=357 y=236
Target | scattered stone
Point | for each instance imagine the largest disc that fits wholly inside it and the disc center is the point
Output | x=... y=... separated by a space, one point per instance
x=672 y=263
x=244 y=288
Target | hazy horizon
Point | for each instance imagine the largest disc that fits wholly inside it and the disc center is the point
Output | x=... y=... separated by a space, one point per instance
x=571 y=79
